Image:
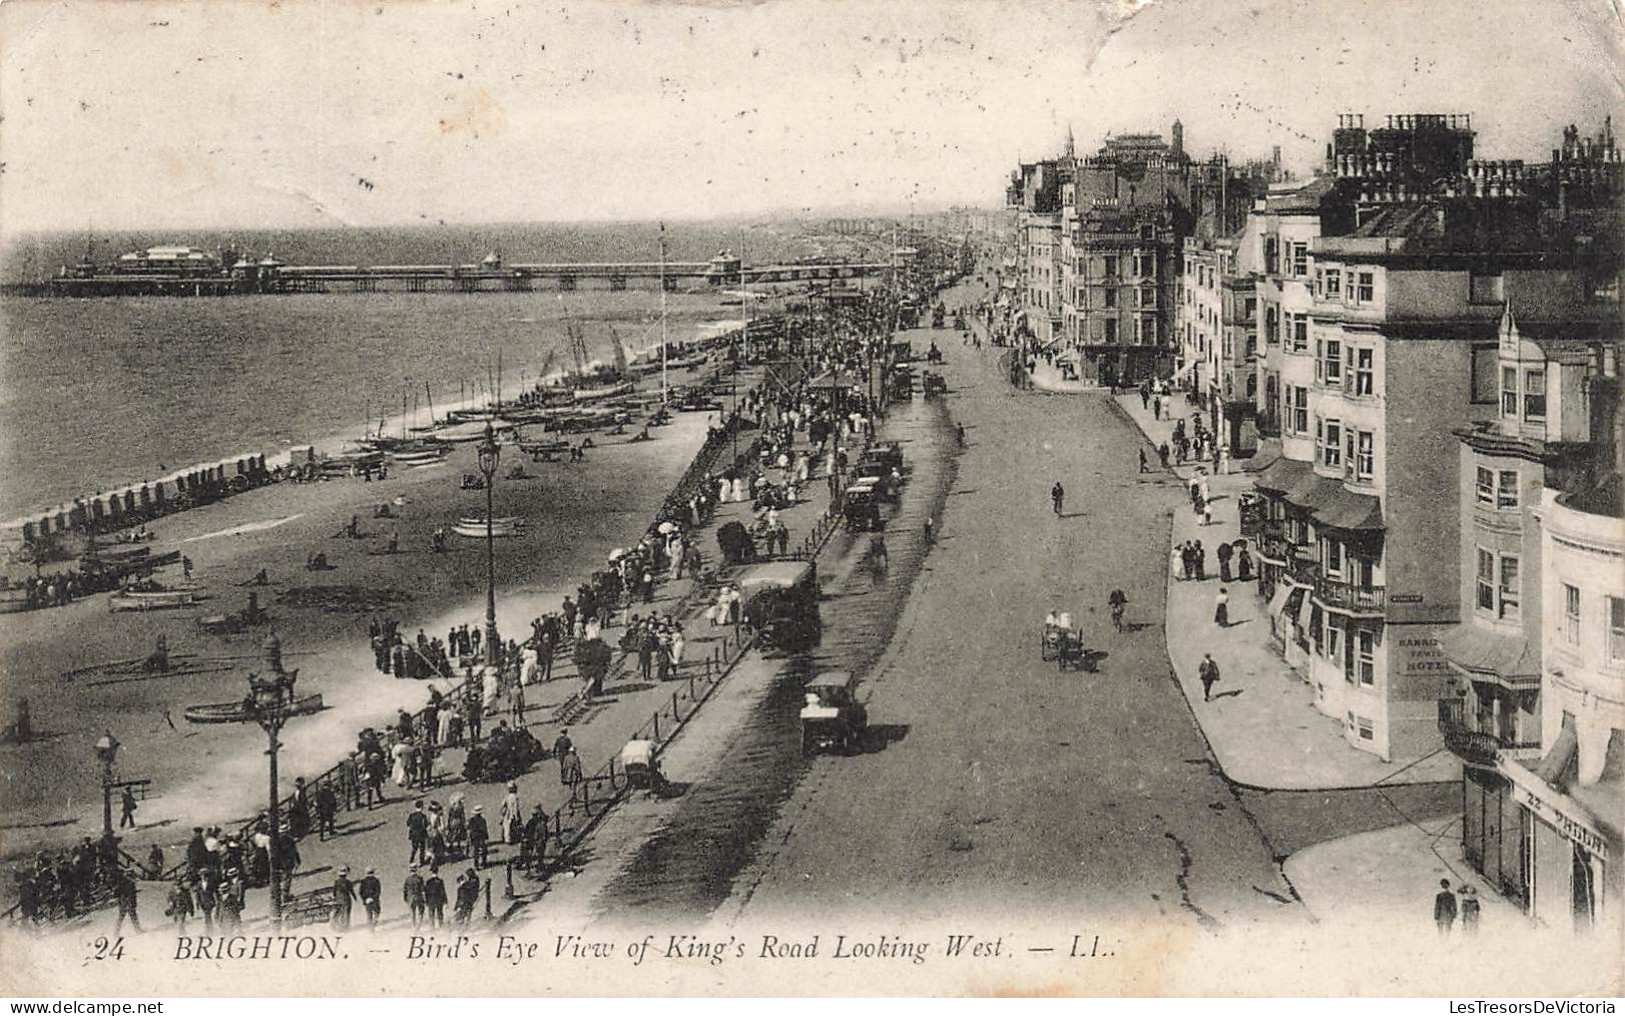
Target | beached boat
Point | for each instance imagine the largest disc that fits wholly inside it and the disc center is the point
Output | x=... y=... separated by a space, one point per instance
x=151 y=599
x=597 y=393
x=239 y=712
x=426 y=457
x=474 y=430
x=503 y=526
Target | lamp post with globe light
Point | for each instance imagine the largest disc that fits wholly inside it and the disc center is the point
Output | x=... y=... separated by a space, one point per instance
x=106 y=752
x=489 y=455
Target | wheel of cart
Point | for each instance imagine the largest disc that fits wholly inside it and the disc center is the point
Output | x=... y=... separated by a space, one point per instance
x=1069 y=652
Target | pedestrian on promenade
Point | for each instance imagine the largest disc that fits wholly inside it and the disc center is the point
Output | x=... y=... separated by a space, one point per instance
x=343 y=899
x=1208 y=674
x=180 y=904
x=1162 y=454
x=1143 y=467
x=479 y=837
x=1207 y=512
x=570 y=772
x=371 y=892
x=1225 y=552
x=412 y=895
x=1199 y=555
x=1057 y=496
x=434 y=898
x=1444 y=907
x=1221 y=608
x=417 y=832
x=511 y=821
x=1244 y=562
x=517 y=702
x=562 y=743
x=125 y=889
x=468 y=894
x=327 y=808
x=1469 y=910
x=127 y=808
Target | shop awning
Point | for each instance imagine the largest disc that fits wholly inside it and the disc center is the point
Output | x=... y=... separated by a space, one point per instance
x=1605 y=799
x=1555 y=767
x=1280 y=601
x=1282 y=475
x=1338 y=507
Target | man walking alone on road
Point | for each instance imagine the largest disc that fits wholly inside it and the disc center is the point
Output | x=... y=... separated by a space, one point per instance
x=1208 y=674
x=1444 y=907
x=1057 y=495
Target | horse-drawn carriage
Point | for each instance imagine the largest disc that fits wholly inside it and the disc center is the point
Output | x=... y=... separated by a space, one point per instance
x=1061 y=643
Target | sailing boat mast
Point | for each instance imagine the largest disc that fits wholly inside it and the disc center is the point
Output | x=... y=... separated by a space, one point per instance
x=429 y=396
x=663 y=339
x=405 y=385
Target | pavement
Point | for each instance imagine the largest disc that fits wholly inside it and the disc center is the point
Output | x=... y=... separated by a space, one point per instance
x=1389 y=876
x=1262 y=722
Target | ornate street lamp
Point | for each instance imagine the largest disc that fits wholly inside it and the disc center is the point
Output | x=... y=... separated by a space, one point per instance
x=106 y=752
x=489 y=454
x=270 y=703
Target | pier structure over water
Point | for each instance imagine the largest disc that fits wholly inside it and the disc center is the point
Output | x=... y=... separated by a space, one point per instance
x=232 y=276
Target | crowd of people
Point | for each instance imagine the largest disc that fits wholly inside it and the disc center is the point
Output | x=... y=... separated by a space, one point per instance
x=798 y=428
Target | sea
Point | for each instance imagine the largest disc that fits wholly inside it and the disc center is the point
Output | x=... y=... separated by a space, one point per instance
x=100 y=392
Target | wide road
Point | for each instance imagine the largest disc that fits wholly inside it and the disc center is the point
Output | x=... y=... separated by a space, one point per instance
x=1017 y=789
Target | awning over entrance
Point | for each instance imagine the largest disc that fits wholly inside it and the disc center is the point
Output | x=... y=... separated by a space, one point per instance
x=1283 y=475
x=1509 y=660
x=1337 y=507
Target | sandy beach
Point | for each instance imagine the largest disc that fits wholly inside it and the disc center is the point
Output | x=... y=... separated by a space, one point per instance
x=575 y=513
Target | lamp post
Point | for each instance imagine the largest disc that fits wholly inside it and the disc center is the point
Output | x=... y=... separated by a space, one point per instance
x=106 y=751
x=270 y=702
x=489 y=454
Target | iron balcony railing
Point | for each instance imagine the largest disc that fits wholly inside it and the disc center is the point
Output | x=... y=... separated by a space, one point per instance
x=1340 y=595
x=1275 y=548
x=1303 y=568
x=1475 y=747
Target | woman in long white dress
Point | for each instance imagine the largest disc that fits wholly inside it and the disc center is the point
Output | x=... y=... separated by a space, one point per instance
x=511 y=821
x=400 y=753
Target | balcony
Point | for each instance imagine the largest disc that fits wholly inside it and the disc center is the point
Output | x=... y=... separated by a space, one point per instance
x=1476 y=747
x=1305 y=570
x=1272 y=546
x=1471 y=746
x=1346 y=596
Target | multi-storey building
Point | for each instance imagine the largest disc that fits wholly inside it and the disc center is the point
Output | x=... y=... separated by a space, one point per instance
x=1573 y=796
x=1125 y=214
x=1218 y=325
x=1035 y=194
x=1555 y=388
x=1376 y=376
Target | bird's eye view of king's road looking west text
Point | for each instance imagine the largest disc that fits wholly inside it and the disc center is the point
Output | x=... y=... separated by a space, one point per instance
x=1100 y=498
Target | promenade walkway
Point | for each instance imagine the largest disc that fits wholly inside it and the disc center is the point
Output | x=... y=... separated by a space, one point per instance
x=599 y=728
x=1262 y=721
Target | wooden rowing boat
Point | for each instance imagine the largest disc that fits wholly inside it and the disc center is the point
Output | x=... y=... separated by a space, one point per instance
x=238 y=712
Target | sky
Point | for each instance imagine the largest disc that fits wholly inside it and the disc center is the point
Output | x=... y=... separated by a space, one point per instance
x=262 y=114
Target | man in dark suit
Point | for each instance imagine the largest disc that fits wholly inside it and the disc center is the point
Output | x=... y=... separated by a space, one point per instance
x=412 y=893
x=434 y=898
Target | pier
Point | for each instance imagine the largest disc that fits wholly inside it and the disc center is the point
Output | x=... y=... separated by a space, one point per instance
x=229 y=275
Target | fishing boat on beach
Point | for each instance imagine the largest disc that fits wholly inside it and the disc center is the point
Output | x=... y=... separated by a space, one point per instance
x=151 y=599
x=241 y=711
x=597 y=393
x=502 y=526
